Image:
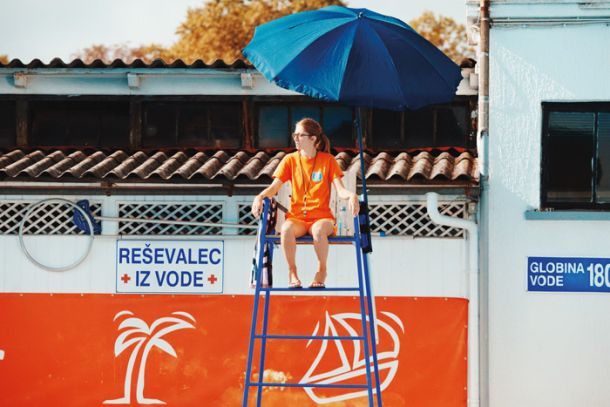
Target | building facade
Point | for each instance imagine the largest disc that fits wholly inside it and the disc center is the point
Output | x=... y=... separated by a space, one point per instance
x=544 y=228
x=196 y=143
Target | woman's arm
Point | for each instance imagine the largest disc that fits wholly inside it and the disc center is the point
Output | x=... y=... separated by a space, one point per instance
x=343 y=193
x=269 y=192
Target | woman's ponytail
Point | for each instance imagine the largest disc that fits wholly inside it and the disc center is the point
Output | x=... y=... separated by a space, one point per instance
x=313 y=128
x=323 y=143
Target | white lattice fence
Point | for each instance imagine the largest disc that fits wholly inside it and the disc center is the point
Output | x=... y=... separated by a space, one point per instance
x=53 y=218
x=245 y=217
x=411 y=219
x=193 y=212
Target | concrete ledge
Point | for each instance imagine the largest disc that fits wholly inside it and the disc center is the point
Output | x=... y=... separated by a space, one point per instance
x=566 y=215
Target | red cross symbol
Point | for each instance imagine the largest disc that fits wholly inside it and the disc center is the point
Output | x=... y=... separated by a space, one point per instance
x=125 y=278
x=212 y=279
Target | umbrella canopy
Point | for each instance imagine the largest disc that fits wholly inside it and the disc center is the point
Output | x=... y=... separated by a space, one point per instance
x=353 y=56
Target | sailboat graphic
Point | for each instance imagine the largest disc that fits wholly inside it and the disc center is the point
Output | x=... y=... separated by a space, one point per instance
x=351 y=371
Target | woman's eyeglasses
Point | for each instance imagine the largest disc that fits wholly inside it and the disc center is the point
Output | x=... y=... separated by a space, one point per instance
x=296 y=135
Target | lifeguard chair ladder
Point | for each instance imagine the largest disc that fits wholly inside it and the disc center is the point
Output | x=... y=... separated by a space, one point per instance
x=366 y=304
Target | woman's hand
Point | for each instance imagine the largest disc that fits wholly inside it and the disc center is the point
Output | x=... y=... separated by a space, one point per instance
x=353 y=204
x=257 y=206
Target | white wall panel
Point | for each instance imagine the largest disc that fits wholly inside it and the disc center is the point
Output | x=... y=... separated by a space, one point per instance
x=545 y=349
x=400 y=266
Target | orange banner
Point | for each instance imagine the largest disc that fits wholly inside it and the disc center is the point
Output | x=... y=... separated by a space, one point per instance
x=97 y=350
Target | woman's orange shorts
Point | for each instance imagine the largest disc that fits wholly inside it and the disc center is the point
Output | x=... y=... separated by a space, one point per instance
x=309 y=223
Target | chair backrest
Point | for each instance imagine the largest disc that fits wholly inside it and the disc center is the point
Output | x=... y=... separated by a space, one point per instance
x=337 y=206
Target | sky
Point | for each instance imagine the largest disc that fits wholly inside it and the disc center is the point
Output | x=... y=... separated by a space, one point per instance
x=60 y=28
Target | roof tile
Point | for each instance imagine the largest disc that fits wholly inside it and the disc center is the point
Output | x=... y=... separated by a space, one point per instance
x=222 y=166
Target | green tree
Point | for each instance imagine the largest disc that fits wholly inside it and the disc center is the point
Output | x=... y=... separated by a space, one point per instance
x=444 y=32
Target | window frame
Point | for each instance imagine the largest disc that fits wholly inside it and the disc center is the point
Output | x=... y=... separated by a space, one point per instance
x=576 y=107
x=469 y=103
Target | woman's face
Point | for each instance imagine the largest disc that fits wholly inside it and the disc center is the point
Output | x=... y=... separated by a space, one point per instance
x=302 y=139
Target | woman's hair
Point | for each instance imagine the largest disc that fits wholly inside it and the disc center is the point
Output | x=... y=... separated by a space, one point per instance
x=314 y=129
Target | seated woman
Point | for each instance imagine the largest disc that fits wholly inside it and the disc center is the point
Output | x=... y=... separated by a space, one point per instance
x=311 y=170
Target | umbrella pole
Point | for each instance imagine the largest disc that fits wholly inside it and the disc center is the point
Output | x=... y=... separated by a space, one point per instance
x=365 y=261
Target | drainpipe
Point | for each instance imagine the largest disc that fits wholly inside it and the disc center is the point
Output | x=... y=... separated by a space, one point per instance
x=474 y=398
x=483 y=64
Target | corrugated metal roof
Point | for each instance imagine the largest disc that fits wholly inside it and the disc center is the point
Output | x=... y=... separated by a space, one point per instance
x=118 y=64
x=422 y=167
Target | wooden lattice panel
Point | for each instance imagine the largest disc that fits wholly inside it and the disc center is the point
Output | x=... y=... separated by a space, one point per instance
x=192 y=212
x=53 y=218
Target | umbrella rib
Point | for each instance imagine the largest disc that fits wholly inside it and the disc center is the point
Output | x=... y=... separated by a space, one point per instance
x=391 y=61
x=341 y=26
x=393 y=27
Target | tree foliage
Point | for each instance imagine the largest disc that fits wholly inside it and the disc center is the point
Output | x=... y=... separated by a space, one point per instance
x=444 y=32
x=222 y=28
x=108 y=53
x=219 y=29
x=3 y=59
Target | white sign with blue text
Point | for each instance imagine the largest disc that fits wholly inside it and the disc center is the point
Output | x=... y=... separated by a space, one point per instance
x=174 y=267
x=568 y=274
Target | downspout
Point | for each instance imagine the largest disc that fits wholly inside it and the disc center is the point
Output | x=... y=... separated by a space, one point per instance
x=483 y=104
x=474 y=398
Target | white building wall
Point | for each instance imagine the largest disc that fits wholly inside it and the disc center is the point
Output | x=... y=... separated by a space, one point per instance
x=400 y=266
x=545 y=349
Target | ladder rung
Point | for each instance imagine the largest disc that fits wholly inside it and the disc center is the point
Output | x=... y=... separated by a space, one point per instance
x=332 y=386
x=319 y=290
x=353 y=338
x=309 y=239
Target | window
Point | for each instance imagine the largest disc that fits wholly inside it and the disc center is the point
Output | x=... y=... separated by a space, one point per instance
x=434 y=126
x=192 y=124
x=8 y=124
x=79 y=123
x=276 y=123
x=576 y=156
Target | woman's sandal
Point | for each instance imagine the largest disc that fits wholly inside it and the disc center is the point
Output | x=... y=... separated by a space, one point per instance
x=317 y=285
x=295 y=285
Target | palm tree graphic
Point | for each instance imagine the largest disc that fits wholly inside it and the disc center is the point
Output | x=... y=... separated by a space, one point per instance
x=135 y=332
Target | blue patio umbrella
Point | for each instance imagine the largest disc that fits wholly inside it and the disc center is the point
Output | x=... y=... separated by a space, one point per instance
x=359 y=58
x=353 y=56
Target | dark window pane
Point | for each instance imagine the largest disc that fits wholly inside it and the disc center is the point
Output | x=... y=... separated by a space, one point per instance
x=226 y=125
x=8 y=124
x=419 y=126
x=338 y=125
x=603 y=157
x=193 y=126
x=386 y=129
x=273 y=127
x=79 y=123
x=158 y=125
x=569 y=153
x=451 y=126
x=301 y=112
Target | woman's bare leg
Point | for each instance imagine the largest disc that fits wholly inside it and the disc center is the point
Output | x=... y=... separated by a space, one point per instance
x=320 y=232
x=289 y=234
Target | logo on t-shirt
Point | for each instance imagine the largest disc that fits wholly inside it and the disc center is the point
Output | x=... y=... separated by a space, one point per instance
x=316 y=176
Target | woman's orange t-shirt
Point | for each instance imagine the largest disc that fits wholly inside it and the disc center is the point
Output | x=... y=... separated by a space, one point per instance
x=312 y=182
